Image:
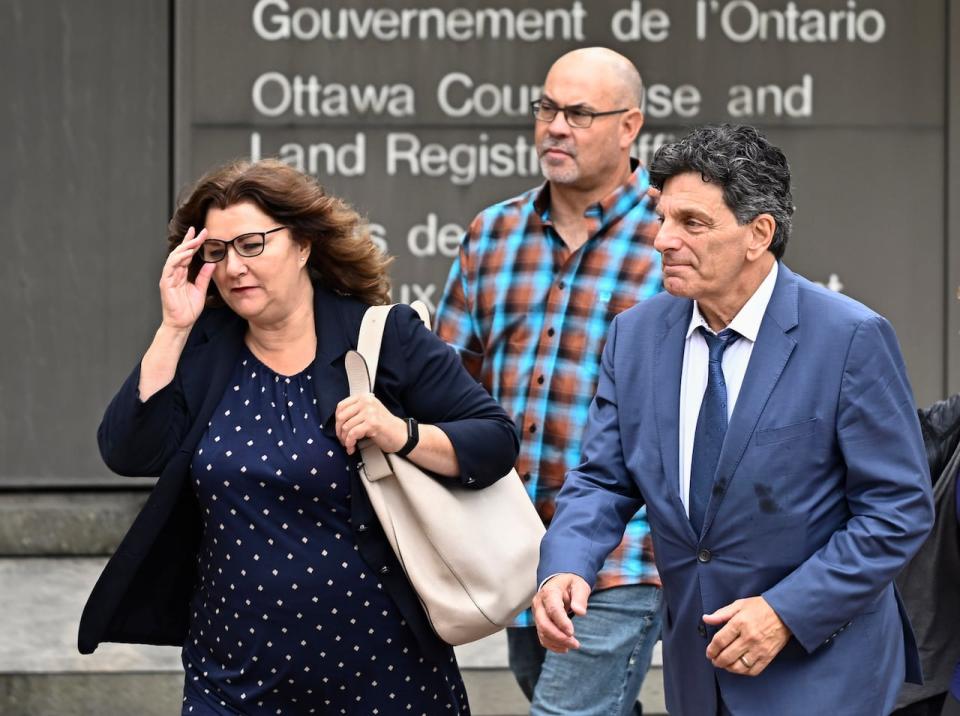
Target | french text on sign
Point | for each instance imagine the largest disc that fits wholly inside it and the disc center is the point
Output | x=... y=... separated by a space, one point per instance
x=745 y=21
x=634 y=24
x=410 y=292
x=431 y=239
x=276 y=20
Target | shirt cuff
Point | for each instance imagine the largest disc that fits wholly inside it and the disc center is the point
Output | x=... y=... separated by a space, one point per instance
x=555 y=574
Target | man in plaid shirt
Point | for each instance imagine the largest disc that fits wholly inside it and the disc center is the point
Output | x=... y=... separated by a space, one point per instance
x=527 y=305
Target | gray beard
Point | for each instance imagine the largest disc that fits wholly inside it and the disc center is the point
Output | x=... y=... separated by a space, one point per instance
x=558 y=175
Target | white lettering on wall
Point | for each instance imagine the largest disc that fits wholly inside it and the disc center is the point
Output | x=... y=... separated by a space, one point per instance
x=772 y=100
x=633 y=24
x=274 y=20
x=410 y=292
x=682 y=101
x=743 y=21
x=348 y=159
x=274 y=94
x=431 y=239
x=462 y=162
x=459 y=96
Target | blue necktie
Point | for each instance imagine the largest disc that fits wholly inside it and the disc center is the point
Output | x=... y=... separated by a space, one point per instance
x=711 y=427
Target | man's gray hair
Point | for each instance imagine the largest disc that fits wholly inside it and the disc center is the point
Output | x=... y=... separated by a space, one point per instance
x=752 y=173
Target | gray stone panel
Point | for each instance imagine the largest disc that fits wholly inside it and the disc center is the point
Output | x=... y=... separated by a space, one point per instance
x=84 y=201
x=952 y=253
x=56 y=523
x=863 y=215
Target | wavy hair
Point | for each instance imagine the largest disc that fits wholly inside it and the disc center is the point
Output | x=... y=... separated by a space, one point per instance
x=752 y=173
x=343 y=257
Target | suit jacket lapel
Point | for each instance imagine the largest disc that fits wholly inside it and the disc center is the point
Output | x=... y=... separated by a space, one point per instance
x=767 y=361
x=334 y=339
x=209 y=369
x=668 y=368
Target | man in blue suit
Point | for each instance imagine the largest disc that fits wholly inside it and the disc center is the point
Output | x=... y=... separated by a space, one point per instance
x=769 y=427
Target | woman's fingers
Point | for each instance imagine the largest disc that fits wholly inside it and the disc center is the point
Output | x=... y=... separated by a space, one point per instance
x=202 y=281
x=347 y=439
x=182 y=301
x=184 y=252
x=355 y=428
x=346 y=409
x=364 y=416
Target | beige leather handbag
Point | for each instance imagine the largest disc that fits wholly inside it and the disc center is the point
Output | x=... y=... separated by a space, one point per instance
x=471 y=555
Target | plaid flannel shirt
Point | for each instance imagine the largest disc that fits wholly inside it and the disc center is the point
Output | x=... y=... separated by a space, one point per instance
x=529 y=319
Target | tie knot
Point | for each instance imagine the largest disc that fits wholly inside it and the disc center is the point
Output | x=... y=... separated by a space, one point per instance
x=717 y=343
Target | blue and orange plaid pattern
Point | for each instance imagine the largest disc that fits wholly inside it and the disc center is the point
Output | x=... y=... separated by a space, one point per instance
x=529 y=319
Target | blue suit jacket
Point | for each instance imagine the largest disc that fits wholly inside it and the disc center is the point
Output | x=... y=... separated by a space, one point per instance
x=822 y=496
x=143 y=593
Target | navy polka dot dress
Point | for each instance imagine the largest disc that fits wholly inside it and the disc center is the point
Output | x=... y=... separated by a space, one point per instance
x=287 y=618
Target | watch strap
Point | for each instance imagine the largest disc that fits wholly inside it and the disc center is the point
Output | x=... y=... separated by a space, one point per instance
x=413 y=437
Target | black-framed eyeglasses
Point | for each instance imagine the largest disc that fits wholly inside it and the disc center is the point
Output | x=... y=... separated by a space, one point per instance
x=575 y=115
x=246 y=245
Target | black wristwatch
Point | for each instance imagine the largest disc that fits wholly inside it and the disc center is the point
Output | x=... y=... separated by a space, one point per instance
x=413 y=437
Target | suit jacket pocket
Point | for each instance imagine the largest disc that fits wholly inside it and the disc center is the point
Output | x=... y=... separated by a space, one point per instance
x=783 y=433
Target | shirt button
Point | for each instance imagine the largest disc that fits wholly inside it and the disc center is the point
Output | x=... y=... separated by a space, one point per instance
x=540 y=380
x=550 y=332
x=526 y=477
x=361 y=528
x=384 y=570
x=533 y=428
x=704 y=556
x=701 y=630
x=561 y=285
x=470 y=481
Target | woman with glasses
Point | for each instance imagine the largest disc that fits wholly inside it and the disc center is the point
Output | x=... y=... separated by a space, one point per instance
x=258 y=551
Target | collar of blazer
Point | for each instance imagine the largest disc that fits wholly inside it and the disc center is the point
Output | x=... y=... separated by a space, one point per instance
x=770 y=355
x=783 y=307
x=215 y=344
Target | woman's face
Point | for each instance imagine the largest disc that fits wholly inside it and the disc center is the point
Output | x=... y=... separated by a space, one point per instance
x=265 y=288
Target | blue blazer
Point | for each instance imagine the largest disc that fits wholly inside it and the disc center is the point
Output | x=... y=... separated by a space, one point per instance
x=822 y=496
x=143 y=594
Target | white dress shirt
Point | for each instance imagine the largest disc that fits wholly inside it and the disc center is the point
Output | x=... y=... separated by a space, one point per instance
x=696 y=356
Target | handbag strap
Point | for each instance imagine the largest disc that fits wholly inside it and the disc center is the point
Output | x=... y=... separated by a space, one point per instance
x=362 y=365
x=371 y=333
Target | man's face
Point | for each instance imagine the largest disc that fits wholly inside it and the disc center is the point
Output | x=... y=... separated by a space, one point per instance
x=573 y=156
x=704 y=249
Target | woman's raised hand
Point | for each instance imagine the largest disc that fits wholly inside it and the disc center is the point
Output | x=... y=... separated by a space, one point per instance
x=183 y=300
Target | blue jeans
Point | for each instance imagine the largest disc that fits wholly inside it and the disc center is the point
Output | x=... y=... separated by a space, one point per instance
x=603 y=677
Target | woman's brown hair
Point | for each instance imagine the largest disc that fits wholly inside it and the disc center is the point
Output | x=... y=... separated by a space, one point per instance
x=343 y=257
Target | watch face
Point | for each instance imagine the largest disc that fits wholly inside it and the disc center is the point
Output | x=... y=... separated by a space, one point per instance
x=413 y=437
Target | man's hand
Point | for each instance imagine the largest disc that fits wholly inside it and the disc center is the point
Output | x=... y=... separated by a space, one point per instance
x=751 y=637
x=559 y=596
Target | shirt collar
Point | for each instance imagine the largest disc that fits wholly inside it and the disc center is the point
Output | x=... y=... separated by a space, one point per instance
x=611 y=207
x=748 y=319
